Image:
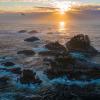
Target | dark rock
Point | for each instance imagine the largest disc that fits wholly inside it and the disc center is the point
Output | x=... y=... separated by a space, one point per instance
x=33 y=31
x=59 y=93
x=26 y=52
x=32 y=39
x=73 y=68
x=8 y=64
x=50 y=33
x=16 y=70
x=4 y=81
x=70 y=92
x=49 y=53
x=60 y=66
x=81 y=43
x=22 y=31
x=64 y=92
x=29 y=77
x=55 y=46
x=91 y=96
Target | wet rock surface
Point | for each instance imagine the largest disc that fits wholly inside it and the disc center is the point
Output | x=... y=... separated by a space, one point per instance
x=72 y=68
x=32 y=39
x=55 y=46
x=33 y=31
x=8 y=64
x=26 y=52
x=22 y=31
x=28 y=76
x=70 y=92
x=64 y=73
x=81 y=43
x=4 y=80
x=75 y=63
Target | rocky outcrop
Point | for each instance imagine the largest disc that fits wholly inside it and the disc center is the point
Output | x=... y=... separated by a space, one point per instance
x=32 y=39
x=4 y=82
x=33 y=31
x=74 y=63
x=28 y=76
x=55 y=46
x=49 y=53
x=60 y=66
x=22 y=31
x=8 y=64
x=73 y=68
x=70 y=92
x=81 y=43
x=26 y=52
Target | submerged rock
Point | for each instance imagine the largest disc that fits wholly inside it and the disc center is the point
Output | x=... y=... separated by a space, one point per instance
x=81 y=43
x=8 y=64
x=55 y=46
x=28 y=76
x=50 y=33
x=26 y=52
x=22 y=31
x=4 y=81
x=32 y=39
x=33 y=31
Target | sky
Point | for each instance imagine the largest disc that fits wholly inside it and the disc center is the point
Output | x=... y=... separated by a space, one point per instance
x=26 y=5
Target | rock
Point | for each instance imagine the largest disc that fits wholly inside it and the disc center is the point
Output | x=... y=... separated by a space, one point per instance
x=49 y=53
x=50 y=33
x=4 y=81
x=33 y=31
x=44 y=51
x=32 y=39
x=91 y=96
x=73 y=68
x=16 y=70
x=22 y=31
x=29 y=77
x=70 y=92
x=55 y=46
x=59 y=93
x=60 y=66
x=81 y=43
x=26 y=52
x=8 y=64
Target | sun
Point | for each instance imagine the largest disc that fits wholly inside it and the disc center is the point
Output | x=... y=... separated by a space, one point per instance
x=63 y=6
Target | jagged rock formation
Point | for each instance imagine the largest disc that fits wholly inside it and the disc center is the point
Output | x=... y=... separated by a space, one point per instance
x=81 y=43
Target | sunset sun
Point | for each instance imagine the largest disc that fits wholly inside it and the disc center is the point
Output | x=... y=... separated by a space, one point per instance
x=63 y=6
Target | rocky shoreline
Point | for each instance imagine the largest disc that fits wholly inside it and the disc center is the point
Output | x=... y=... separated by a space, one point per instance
x=72 y=60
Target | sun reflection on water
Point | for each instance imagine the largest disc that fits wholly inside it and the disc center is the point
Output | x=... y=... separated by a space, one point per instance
x=61 y=26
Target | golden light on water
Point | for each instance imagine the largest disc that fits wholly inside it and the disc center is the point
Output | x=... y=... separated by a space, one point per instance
x=61 y=26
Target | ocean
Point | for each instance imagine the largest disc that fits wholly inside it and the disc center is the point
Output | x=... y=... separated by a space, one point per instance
x=62 y=27
x=47 y=27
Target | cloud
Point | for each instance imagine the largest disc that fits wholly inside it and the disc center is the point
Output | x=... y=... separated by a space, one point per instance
x=26 y=5
x=27 y=0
